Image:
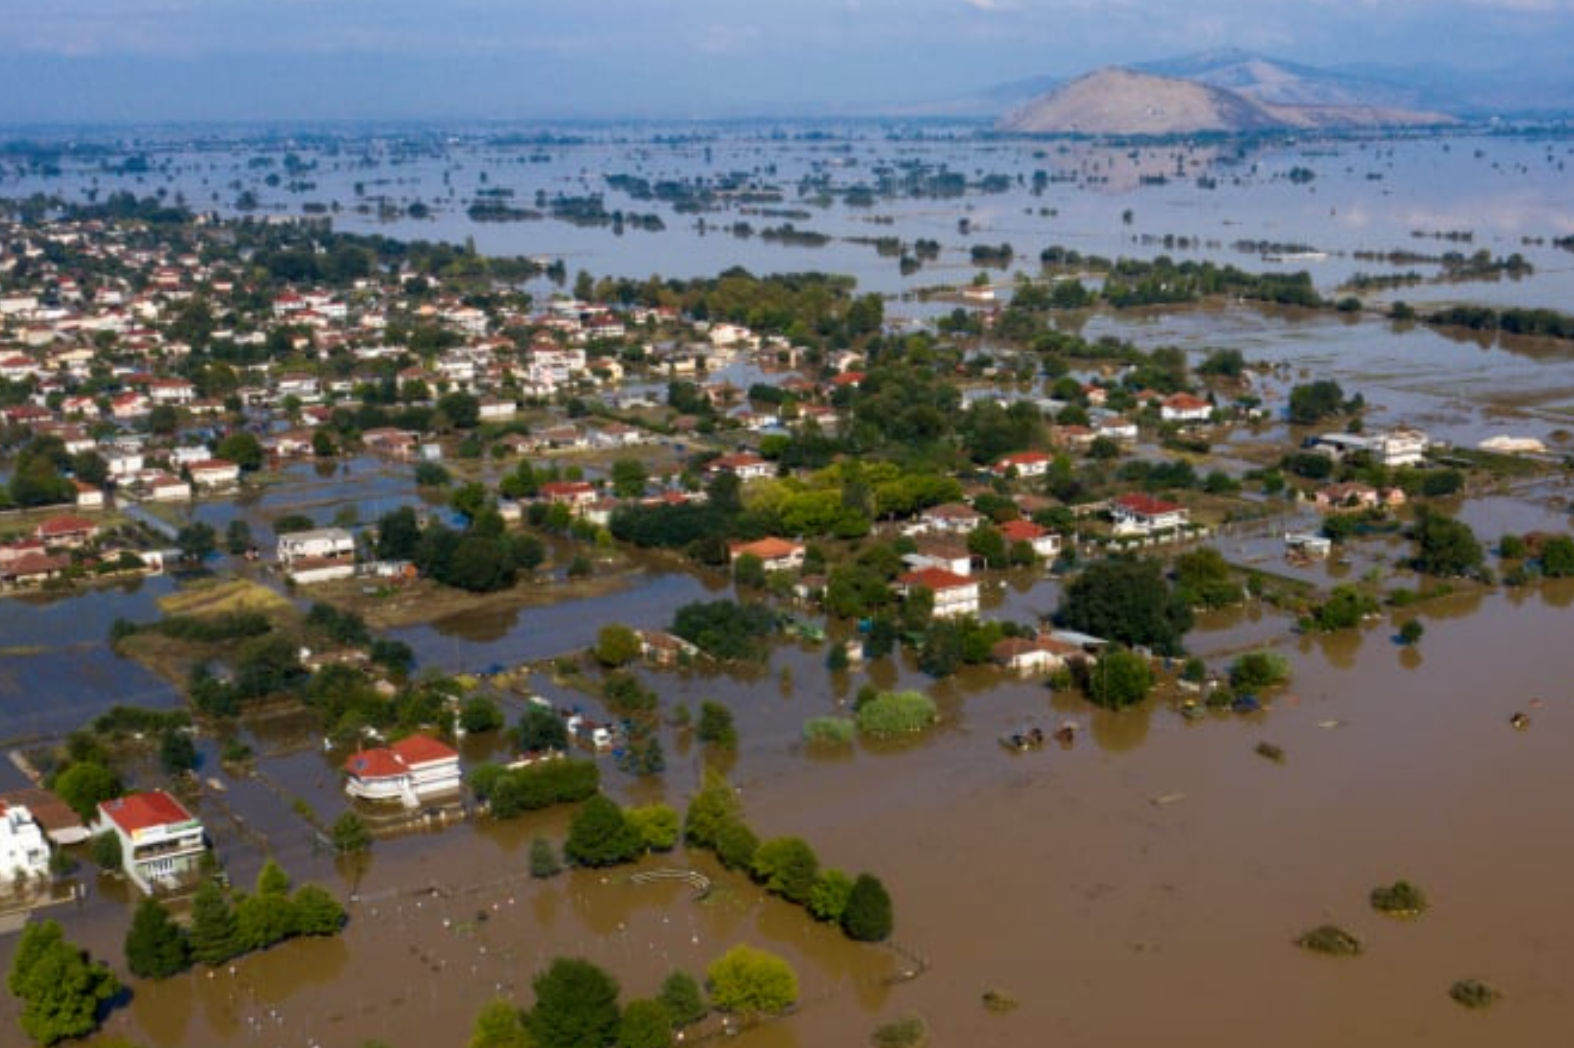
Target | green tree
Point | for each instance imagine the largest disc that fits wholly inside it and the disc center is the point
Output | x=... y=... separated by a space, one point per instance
x=1315 y=401
x=749 y=571
x=349 y=834
x=107 y=853
x=736 y=845
x=685 y=1001
x=645 y=1023
x=243 y=449
x=272 y=880
x=1557 y=557
x=712 y=807
x=576 y=1006
x=214 y=937
x=628 y=478
x=479 y=714
x=616 y=645
x=1259 y=669
x=1445 y=546
x=317 y=912
x=1128 y=601
x=500 y=1025
x=156 y=946
x=63 y=991
x=1119 y=679
x=867 y=915
x=262 y=920
x=237 y=537
x=177 y=753
x=657 y=825
x=196 y=542
x=1411 y=631
x=752 y=981
x=787 y=867
x=602 y=835
x=716 y=727
x=84 y=785
x=828 y=896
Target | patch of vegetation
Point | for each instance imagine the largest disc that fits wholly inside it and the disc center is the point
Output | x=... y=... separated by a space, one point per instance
x=893 y=713
x=999 y=1002
x=1474 y=994
x=829 y=731
x=1330 y=939
x=1400 y=899
x=910 y=1031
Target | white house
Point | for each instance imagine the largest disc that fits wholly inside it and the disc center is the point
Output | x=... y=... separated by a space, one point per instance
x=1183 y=407
x=23 y=849
x=953 y=517
x=210 y=474
x=774 y=553
x=161 y=842
x=316 y=544
x=1399 y=447
x=955 y=595
x=744 y=466
x=1045 y=543
x=1026 y=463
x=1143 y=514
x=411 y=771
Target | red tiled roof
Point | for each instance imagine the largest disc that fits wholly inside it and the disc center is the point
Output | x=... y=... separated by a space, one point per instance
x=141 y=811
x=422 y=749
x=935 y=579
x=1021 y=531
x=766 y=548
x=374 y=764
x=1147 y=505
x=65 y=525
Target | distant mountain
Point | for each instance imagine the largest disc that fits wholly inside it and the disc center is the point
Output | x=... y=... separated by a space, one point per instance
x=1124 y=102
x=1223 y=92
x=1275 y=82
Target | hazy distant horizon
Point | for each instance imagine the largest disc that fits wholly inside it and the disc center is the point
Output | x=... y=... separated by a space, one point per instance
x=147 y=61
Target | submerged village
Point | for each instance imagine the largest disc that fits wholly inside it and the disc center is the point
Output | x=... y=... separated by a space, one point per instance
x=486 y=650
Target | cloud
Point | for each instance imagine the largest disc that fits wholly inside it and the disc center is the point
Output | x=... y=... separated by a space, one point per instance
x=726 y=39
x=990 y=6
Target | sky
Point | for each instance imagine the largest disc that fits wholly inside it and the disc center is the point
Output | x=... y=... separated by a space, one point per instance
x=138 y=61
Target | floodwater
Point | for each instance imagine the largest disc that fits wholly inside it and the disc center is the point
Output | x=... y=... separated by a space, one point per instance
x=1146 y=882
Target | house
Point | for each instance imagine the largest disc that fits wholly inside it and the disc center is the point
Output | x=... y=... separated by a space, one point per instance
x=951 y=517
x=774 y=553
x=411 y=771
x=665 y=649
x=159 y=486
x=577 y=495
x=1045 y=543
x=1400 y=447
x=316 y=544
x=940 y=551
x=743 y=465
x=161 y=843
x=33 y=569
x=955 y=595
x=492 y=409
x=23 y=850
x=66 y=532
x=1026 y=463
x=211 y=474
x=60 y=823
x=1144 y=514
x=397 y=443
x=1183 y=407
x=1027 y=655
x=88 y=495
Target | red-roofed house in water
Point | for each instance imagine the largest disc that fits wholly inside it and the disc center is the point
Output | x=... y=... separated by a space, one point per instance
x=160 y=841
x=1144 y=514
x=411 y=771
x=955 y=595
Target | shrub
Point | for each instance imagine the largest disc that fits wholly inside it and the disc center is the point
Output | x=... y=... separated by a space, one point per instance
x=680 y=992
x=1400 y=899
x=867 y=915
x=1119 y=679
x=787 y=867
x=910 y=1031
x=1330 y=939
x=1259 y=669
x=736 y=845
x=716 y=726
x=828 y=895
x=601 y=835
x=657 y=825
x=1472 y=993
x=752 y=981
x=544 y=860
x=893 y=713
x=829 y=731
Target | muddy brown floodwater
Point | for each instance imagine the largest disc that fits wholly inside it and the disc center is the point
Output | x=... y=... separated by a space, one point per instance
x=1146 y=883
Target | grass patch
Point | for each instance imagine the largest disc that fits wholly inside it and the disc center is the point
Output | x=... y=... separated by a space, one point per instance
x=1330 y=939
x=225 y=598
x=829 y=731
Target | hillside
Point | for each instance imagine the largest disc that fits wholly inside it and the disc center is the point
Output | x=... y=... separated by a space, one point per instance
x=1125 y=102
x=1262 y=96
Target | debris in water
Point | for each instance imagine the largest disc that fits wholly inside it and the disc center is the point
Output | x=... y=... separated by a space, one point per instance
x=1330 y=724
x=1270 y=751
x=1520 y=721
x=1166 y=799
x=1400 y=899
